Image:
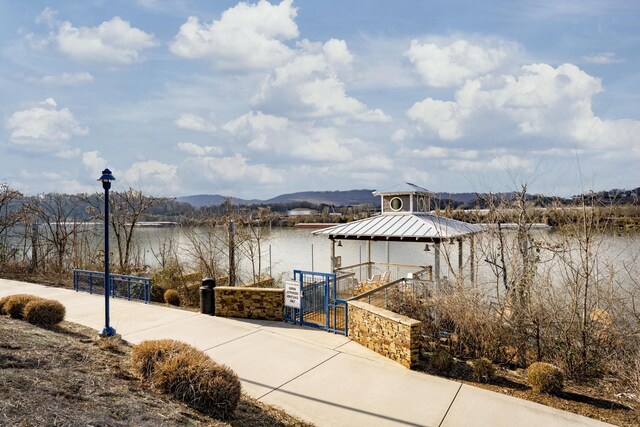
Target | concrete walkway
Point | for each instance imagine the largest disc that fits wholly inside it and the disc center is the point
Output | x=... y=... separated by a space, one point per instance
x=317 y=376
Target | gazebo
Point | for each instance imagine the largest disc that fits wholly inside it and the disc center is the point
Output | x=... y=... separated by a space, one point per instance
x=406 y=216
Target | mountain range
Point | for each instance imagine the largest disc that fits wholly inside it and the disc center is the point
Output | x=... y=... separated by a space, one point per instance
x=336 y=198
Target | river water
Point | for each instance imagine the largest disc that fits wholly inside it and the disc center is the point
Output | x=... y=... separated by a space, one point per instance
x=286 y=249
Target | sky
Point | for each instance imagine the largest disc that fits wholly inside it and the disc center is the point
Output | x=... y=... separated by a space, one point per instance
x=256 y=99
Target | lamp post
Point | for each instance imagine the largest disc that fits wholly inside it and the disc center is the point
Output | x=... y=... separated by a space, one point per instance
x=106 y=179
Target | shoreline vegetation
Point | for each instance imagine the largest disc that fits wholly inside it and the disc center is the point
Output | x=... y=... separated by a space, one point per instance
x=566 y=298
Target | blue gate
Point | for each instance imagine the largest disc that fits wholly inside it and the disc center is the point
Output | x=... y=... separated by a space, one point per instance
x=121 y=286
x=319 y=305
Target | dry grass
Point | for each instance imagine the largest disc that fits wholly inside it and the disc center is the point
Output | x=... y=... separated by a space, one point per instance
x=3 y=301
x=171 y=297
x=483 y=370
x=594 y=399
x=15 y=305
x=61 y=377
x=199 y=382
x=44 y=312
x=146 y=356
x=545 y=378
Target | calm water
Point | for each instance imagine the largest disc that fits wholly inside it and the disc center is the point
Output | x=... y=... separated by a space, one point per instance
x=294 y=248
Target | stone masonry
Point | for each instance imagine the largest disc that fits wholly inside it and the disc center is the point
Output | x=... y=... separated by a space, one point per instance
x=392 y=335
x=249 y=303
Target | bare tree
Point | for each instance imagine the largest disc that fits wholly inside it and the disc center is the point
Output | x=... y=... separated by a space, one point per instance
x=256 y=228
x=11 y=213
x=127 y=208
x=58 y=214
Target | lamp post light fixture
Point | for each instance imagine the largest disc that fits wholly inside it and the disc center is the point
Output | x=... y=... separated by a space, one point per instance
x=106 y=179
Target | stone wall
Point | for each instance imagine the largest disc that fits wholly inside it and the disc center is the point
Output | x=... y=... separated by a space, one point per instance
x=249 y=303
x=385 y=332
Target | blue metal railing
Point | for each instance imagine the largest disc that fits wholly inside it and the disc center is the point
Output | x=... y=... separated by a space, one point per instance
x=121 y=286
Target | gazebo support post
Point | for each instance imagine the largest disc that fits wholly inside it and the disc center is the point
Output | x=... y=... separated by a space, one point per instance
x=472 y=259
x=460 y=267
x=436 y=264
x=368 y=259
x=333 y=255
x=388 y=254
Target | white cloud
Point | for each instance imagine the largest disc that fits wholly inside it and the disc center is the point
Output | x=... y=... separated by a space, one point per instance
x=247 y=36
x=113 y=42
x=399 y=135
x=310 y=86
x=435 y=152
x=47 y=16
x=65 y=79
x=540 y=101
x=93 y=162
x=445 y=63
x=495 y=162
x=231 y=169
x=198 y=150
x=45 y=129
x=602 y=58
x=441 y=116
x=262 y=132
x=194 y=122
x=152 y=176
x=44 y=181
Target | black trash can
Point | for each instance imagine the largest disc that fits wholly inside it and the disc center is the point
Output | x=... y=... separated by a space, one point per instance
x=207 y=296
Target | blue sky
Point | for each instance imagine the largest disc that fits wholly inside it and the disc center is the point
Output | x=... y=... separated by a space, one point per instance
x=256 y=99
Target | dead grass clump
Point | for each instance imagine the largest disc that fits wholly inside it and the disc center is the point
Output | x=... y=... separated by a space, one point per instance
x=3 y=301
x=171 y=297
x=441 y=361
x=15 y=304
x=199 y=382
x=483 y=370
x=148 y=354
x=44 y=312
x=545 y=378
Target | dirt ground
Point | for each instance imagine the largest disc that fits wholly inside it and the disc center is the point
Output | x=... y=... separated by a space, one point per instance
x=594 y=400
x=61 y=377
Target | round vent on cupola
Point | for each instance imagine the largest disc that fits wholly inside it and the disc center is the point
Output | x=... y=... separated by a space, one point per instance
x=423 y=204
x=395 y=204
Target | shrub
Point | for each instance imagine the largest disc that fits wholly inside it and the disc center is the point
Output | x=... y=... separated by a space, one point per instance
x=483 y=370
x=14 y=306
x=441 y=361
x=44 y=312
x=545 y=377
x=171 y=297
x=199 y=382
x=3 y=301
x=146 y=355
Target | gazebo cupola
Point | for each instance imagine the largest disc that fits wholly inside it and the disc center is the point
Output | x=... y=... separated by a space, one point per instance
x=405 y=199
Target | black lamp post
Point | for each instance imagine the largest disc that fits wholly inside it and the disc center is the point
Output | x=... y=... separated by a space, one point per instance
x=106 y=179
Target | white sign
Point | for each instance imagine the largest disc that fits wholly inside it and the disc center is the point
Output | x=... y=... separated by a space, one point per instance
x=292 y=294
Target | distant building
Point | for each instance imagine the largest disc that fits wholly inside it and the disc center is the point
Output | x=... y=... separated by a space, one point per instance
x=302 y=212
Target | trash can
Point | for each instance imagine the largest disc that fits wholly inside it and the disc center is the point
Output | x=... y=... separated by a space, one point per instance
x=207 y=297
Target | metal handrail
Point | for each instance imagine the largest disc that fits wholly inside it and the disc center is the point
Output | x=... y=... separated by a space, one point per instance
x=116 y=281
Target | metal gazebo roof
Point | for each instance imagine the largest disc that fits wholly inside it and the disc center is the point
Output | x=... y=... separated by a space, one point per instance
x=416 y=227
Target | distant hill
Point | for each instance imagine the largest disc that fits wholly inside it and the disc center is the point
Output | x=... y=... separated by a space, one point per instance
x=200 y=200
x=340 y=198
x=337 y=198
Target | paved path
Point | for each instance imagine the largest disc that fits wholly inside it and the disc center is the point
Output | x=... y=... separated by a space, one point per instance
x=320 y=377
